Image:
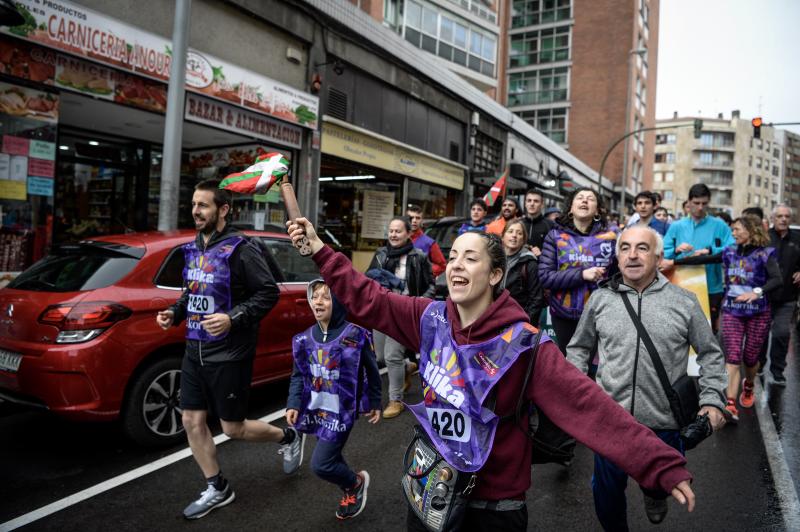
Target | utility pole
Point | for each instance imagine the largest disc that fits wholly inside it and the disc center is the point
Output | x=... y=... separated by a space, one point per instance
x=173 y=125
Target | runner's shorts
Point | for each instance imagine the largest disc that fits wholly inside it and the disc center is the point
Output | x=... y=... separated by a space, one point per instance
x=221 y=388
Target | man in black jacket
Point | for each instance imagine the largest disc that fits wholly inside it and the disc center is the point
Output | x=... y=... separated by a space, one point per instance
x=535 y=222
x=228 y=289
x=783 y=302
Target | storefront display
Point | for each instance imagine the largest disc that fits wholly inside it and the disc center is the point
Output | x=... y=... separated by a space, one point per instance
x=28 y=124
x=366 y=178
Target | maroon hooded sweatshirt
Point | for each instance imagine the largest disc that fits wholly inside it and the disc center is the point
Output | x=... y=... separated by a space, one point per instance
x=570 y=399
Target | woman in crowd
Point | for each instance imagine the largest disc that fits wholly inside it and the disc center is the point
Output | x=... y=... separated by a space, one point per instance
x=478 y=341
x=406 y=270
x=578 y=254
x=751 y=272
x=522 y=271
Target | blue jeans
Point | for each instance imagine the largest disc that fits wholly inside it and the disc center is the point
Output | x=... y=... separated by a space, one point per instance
x=328 y=464
x=609 y=483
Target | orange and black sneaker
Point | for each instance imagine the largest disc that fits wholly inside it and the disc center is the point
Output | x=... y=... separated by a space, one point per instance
x=730 y=411
x=748 y=396
x=355 y=499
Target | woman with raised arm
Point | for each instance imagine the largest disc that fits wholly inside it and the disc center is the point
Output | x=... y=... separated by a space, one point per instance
x=474 y=349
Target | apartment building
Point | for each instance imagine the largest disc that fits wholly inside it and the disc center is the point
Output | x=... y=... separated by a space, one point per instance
x=583 y=72
x=790 y=191
x=467 y=34
x=740 y=170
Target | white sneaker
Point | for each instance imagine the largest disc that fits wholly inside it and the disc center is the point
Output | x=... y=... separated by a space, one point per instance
x=293 y=452
x=210 y=499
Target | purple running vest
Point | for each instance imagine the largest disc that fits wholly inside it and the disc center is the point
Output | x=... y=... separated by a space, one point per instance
x=741 y=275
x=331 y=373
x=424 y=243
x=574 y=251
x=457 y=380
x=208 y=278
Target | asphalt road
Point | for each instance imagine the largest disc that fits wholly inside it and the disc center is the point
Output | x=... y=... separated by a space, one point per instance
x=45 y=459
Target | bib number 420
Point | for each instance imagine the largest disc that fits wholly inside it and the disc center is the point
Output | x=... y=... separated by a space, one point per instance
x=201 y=304
x=450 y=424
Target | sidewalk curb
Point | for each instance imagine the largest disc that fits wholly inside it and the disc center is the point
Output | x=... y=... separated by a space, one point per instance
x=784 y=485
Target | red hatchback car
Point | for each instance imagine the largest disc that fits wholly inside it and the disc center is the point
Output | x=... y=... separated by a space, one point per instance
x=78 y=334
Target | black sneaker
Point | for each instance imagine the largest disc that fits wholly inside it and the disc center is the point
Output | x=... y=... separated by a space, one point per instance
x=210 y=499
x=656 y=509
x=778 y=380
x=354 y=501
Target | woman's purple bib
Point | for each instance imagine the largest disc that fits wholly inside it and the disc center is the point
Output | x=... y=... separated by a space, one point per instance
x=742 y=274
x=580 y=252
x=456 y=380
x=332 y=380
x=208 y=279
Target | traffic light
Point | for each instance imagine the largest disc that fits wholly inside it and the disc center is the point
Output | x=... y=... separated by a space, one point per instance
x=698 y=128
x=757 y=127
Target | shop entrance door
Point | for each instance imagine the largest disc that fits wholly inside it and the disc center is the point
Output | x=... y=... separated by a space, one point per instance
x=96 y=186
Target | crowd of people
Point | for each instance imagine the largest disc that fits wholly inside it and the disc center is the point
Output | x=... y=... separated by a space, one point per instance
x=623 y=332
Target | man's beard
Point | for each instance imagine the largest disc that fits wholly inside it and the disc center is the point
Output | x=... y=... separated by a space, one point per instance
x=210 y=224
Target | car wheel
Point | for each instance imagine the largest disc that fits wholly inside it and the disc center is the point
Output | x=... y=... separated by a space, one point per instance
x=152 y=414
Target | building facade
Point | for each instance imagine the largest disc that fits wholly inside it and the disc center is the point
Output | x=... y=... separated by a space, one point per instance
x=370 y=121
x=583 y=72
x=790 y=191
x=465 y=34
x=741 y=171
x=84 y=102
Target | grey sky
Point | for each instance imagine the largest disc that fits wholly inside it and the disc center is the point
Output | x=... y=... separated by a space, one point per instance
x=715 y=56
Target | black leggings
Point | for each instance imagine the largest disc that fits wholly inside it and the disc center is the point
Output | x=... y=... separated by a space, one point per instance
x=565 y=329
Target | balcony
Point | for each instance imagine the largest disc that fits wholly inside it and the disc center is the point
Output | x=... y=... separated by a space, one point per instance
x=714 y=164
x=729 y=147
x=536 y=98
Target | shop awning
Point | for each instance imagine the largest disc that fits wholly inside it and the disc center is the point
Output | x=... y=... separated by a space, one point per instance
x=353 y=143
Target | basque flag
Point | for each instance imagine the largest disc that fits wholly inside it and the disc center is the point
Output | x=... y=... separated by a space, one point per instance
x=496 y=191
x=268 y=169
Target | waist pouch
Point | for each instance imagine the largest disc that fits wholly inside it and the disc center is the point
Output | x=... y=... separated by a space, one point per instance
x=436 y=491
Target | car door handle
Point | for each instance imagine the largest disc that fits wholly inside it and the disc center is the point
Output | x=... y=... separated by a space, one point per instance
x=301 y=301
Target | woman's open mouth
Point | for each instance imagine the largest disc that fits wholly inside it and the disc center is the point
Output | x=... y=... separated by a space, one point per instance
x=457 y=281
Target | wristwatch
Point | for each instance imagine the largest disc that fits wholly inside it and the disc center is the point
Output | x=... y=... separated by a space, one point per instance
x=758 y=291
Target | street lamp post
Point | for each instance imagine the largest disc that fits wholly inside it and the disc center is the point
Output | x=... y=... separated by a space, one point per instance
x=624 y=182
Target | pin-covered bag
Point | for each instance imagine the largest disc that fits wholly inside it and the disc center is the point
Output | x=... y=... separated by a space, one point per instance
x=436 y=491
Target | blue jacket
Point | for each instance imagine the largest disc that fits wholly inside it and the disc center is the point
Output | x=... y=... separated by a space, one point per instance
x=709 y=233
x=658 y=225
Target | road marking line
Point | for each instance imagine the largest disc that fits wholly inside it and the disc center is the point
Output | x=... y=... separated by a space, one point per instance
x=119 y=480
x=781 y=475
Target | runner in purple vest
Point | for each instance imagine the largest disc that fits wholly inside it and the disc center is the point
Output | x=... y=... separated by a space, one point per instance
x=577 y=254
x=750 y=272
x=478 y=342
x=228 y=289
x=335 y=378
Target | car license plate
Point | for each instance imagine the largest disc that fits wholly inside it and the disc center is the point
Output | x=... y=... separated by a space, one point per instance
x=9 y=361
